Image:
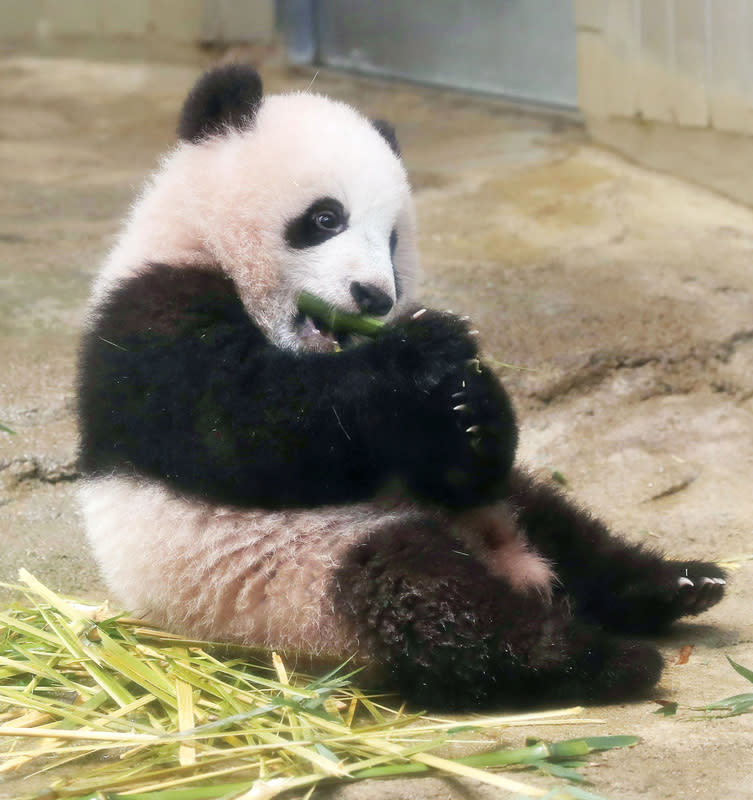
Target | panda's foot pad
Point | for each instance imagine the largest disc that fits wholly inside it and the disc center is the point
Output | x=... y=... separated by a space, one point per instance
x=697 y=594
x=684 y=588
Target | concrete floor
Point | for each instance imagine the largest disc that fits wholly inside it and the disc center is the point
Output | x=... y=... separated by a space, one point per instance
x=626 y=295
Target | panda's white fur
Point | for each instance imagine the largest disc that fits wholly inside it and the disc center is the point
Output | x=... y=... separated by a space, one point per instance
x=225 y=200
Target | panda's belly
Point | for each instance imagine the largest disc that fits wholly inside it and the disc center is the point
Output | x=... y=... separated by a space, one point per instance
x=265 y=577
x=256 y=577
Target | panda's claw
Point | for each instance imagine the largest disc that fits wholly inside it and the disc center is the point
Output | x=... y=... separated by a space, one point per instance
x=471 y=423
x=419 y=313
x=699 y=593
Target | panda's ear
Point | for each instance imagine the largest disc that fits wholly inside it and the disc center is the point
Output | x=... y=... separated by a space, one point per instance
x=226 y=96
x=388 y=134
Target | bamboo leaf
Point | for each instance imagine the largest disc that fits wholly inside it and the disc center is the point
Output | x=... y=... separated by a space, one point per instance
x=160 y=717
x=666 y=708
x=601 y=743
x=741 y=670
x=736 y=705
x=560 y=771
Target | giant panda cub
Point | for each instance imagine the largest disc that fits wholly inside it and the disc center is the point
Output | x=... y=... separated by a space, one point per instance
x=252 y=477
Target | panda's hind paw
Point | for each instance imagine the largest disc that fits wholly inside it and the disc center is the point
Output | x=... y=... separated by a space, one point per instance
x=697 y=594
x=657 y=595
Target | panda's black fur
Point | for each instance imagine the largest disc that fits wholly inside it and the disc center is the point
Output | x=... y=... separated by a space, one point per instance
x=385 y=469
x=275 y=429
x=223 y=98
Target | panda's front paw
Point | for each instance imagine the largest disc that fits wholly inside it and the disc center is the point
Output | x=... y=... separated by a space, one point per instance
x=484 y=418
x=426 y=347
x=453 y=431
x=467 y=439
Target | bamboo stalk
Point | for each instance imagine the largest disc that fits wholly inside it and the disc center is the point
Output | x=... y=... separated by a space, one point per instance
x=184 y=697
x=337 y=320
x=83 y=733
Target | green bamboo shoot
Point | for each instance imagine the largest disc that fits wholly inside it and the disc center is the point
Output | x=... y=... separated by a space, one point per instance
x=336 y=320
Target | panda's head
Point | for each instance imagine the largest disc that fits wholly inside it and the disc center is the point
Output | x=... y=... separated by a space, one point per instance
x=284 y=193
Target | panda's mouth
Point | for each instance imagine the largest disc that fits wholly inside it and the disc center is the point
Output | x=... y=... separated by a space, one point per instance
x=314 y=334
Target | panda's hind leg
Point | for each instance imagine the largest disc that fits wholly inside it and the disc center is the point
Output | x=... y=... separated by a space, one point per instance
x=452 y=635
x=613 y=582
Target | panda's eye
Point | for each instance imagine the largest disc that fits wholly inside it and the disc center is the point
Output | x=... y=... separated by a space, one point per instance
x=322 y=220
x=326 y=221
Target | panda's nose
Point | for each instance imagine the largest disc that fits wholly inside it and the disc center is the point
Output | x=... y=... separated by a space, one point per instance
x=370 y=299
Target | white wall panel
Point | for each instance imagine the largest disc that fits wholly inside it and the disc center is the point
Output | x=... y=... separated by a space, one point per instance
x=685 y=62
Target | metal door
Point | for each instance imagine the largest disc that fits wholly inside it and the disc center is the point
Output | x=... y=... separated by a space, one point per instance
x=522 y=49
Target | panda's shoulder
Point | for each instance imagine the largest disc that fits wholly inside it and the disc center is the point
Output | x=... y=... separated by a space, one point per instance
x=167 y=299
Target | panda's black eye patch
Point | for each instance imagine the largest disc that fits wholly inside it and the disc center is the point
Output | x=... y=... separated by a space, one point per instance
x=322 y=220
